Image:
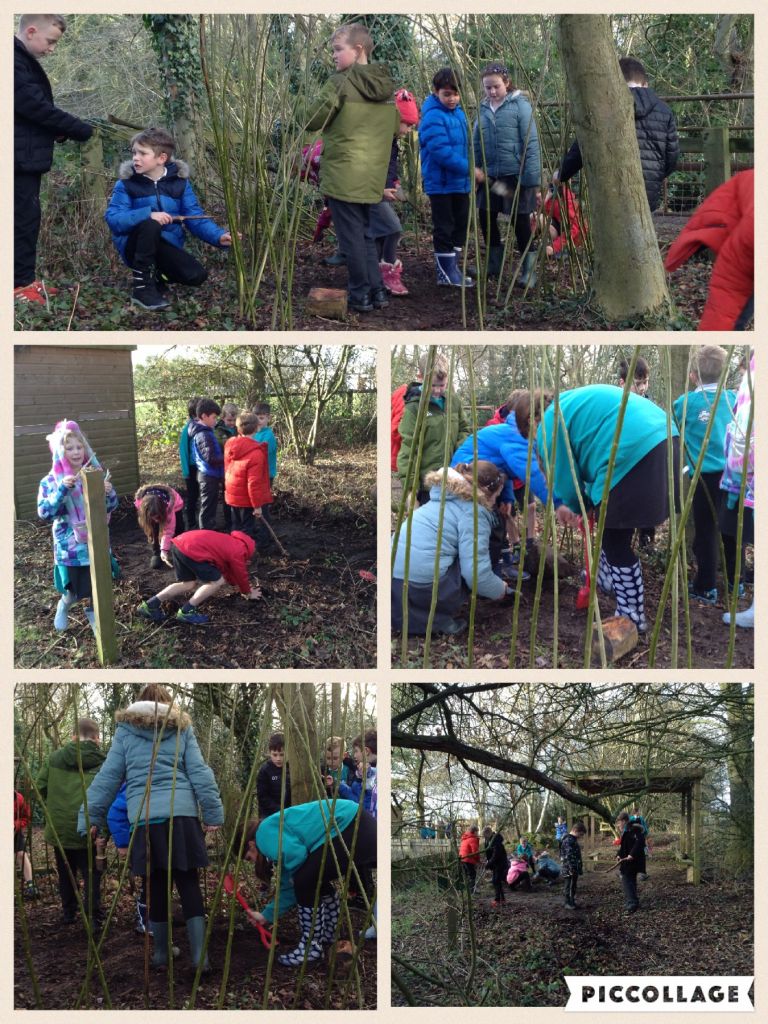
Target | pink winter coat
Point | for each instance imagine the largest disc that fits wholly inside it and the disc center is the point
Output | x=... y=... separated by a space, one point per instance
x=516 y=869
x=168 y=528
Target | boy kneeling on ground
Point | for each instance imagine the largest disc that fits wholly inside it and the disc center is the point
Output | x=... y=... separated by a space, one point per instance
x=204 y=560
x=151 y=206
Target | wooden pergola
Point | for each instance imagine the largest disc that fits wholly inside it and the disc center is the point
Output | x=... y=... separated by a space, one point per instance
x=629 y=782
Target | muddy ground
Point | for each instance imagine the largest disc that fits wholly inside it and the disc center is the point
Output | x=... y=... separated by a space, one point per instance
x=102 y=300
x=59 y=956
x=526 y=946
x=317 y=610
x=493 y=631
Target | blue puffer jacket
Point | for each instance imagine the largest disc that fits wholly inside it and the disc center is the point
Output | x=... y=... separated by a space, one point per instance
x=136 y=197
x=457 y=539
x=444 y=143
x=117 y=820
x=504 y=446
x=304 y=830
x=180 y=776
x=209 y=458
x=510 y=140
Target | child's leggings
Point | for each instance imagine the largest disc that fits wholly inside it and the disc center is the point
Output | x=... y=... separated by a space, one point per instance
x=187 y=886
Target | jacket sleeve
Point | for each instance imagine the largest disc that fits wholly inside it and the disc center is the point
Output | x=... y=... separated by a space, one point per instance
x=529 y=144
x=572 y=162
x=184 y=451
x=169 y=527
x=235 y=571
x=103 y=790
x=672 y=149
x=203 y=781
x=407 y=426
x=515 y=455
x=121 y=215
x=488 y=583
x=326 y=107
x=31 y=103
x=732 y=282
x=209 y=448
x=259 y=492
x=287 y=898
x=50 y=498
x=464 y=429
x=264 y=799
x=42 y=780
x=477 y=147
x=563 y=483
x=206 y=230
x=433 y=135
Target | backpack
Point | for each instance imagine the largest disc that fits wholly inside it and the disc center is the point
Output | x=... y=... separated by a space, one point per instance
x=398 y=405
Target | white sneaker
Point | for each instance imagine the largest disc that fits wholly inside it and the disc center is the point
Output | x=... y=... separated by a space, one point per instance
x=745 y=619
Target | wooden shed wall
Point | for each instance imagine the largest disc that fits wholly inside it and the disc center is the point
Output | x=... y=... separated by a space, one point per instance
x=90 y=384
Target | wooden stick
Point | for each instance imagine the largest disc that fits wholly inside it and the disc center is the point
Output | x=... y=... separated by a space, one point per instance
x=101 y=566
x=274 y=537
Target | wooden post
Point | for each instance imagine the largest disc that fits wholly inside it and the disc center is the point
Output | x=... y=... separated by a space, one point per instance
x=694 y=872
x=717 y=157
x=92 y=174
x=101 y=565
x=683 y=843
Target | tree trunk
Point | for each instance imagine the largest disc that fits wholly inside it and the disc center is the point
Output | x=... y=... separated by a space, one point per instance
x=628 y=275
x=739 y=854
x=296 y=702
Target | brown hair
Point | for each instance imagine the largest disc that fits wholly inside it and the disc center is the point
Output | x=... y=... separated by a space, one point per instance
x=154 y=501
x=525 y=404
x=489 y=477
x=578 y=826
x=440 y=365
x=496 y=68
x=157 y=139
x=368 y=739
x=42 y=19
x=633 y=70
x=87 y=729
x=356 y=34
x=708 y=363
x=276 y=741
x=157 y=693
x=247 y=835
x=246 y=423
x=641 y=369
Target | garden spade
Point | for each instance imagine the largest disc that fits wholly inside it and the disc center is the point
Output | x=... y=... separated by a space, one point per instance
x=582 y=598
x=264 y=933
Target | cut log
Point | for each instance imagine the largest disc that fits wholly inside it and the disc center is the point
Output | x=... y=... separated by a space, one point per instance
x=620 y=636
x=328 y=302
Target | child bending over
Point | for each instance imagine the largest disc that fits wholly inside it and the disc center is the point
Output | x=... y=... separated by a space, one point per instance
x=157 y=505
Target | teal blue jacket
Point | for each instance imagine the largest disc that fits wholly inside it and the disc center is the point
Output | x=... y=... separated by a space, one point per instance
x=697 y=415
x=590 y=415
x=180 y=777
x=186 y=454
x=269 y=439
x=304 y=831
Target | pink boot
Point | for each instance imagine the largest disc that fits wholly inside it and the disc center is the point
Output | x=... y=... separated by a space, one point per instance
x=391 y=275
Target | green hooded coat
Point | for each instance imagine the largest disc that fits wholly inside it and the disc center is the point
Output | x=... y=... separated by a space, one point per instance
x=433 y=452
x=62 y=786
x=357 y=117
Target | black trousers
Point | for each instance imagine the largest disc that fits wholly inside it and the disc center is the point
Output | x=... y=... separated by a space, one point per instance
x=728 y=528
x=26 y=226
x=617 y=545
x=243 y=519
x=706 y=540
x=470 y=870
x=493 y=236
x=499 y=878
x=364 y=858
x=192 y=498
x=629 y=884
x=188 y=887
x=569 y=888
x=350 y=221
x=77 y=861
x=261 y=534
x=450 y=215
x=147 y=248
x=226 y=510
x=210 y=486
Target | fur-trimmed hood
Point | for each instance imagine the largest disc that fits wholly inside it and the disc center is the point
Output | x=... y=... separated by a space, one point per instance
x=145 y=714
x=174 y=169
x=458 y=486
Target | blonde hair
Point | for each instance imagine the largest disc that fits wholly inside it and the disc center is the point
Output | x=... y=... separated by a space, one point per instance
x=42 y=19
x=334 y=743
x=708 y=363
x=356 y=34
x=440 y=365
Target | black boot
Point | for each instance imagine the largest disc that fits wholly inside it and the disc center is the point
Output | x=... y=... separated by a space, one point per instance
x=145 y=290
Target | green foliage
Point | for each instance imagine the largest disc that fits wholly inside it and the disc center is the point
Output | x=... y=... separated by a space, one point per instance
x=175 y=40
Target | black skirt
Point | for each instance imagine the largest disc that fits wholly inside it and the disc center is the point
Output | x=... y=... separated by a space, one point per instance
x=641 y=498
x=188 y=848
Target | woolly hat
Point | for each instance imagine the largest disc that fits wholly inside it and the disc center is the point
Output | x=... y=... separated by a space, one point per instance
x=406 y=104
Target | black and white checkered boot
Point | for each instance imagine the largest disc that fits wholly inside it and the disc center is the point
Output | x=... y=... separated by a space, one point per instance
x=628 y=587
x=315 y=951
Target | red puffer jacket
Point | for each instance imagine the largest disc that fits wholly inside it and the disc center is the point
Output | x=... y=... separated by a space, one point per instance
x=230 y=553
x=21 y=812
x=398 y=405
x=246 y=473
x=469 y=848
x=725 y=223
x=572 y=224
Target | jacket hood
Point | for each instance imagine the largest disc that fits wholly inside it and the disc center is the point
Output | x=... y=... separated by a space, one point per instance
x=240 y=446
x=60 y=466
x=175 y=169
x=372 y=81
x=196 y=427
x=91 y=755
x=646 y=100
x=458 y=486
x=145 y=714
x=248 y=542
x=433 y=103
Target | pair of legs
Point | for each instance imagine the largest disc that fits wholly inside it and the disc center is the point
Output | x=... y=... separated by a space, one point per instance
x=351 y=221
x=26 y=226
x=146 y=248
x=450 y=599
x=69 y=864
x=210 y=487
x=706 y=540
x=629 y=885
x=470 y=871
x=156 y=891
x=499 y=881
x=192 y=498
x=450 y=216
x=569 y=889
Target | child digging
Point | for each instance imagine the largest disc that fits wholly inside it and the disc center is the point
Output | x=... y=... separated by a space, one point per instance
x=203 y=561
x=151 y=207
x=358 y=120
x=157 y=505
x=60 y=500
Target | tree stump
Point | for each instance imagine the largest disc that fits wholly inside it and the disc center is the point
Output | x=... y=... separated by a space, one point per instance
x=328 y=302
x=620 y=636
